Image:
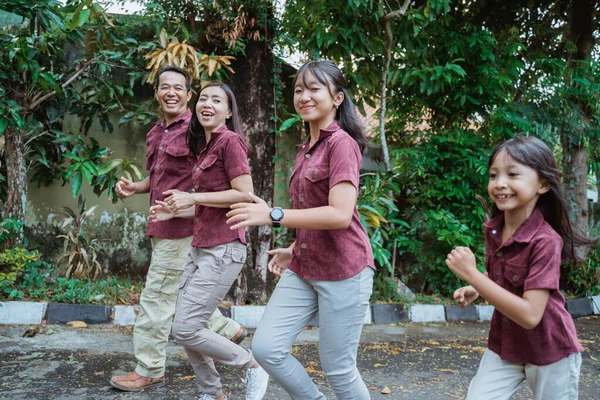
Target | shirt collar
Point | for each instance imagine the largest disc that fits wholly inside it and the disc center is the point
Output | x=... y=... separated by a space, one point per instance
x=526 y=231
x=186 y=115
x=221 y=129
x=323 y=133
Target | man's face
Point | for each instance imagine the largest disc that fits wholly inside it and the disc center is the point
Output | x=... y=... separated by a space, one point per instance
x=172 y=95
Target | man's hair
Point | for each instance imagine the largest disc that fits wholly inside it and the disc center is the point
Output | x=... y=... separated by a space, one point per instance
x=172 y=68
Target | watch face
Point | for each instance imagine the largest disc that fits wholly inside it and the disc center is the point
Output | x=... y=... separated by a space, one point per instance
x=276 y=214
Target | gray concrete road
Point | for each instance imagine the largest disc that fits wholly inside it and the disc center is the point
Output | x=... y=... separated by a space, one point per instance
x=411 y=361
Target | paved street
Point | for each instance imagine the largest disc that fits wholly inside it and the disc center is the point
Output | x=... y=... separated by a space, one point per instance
x=411 y=361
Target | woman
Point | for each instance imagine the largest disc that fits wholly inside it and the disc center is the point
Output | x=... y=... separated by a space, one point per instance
x=329 y=268
x=221 y=178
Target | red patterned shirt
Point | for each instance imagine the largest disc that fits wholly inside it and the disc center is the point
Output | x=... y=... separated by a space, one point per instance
x=529 y=260
x=170 y=162
x=328 y=255
x=223 y=159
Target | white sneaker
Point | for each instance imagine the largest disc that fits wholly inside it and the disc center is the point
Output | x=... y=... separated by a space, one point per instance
x=257 y=381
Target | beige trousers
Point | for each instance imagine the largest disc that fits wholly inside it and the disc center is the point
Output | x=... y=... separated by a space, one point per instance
x=497 y=379
x=157 y=306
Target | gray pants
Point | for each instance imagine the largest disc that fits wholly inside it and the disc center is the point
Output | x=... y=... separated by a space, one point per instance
x=208 y=275
x=157 y=306
x=341 y=306
x=497 y=379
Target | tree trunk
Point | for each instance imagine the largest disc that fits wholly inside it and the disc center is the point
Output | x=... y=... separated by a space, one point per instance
x=575 y=177
x=254 y=92
x=574 y=152
x=16 y=179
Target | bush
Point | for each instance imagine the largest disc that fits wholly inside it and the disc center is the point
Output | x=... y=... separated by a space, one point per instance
x=440 y=176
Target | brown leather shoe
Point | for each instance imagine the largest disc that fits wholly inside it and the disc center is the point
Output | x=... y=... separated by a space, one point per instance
x=134 y=382
x=240 y=336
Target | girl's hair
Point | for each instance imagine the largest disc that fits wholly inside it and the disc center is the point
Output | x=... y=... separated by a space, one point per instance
x=535 y=154
x=329 y=74
x=195 y=136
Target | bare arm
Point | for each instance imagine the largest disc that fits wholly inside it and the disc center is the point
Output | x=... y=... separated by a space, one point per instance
x=336 y=215
x=126 y=188
x=526 y=311
x=241 y=186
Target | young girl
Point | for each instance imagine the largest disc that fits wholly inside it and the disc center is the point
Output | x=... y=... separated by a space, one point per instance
x=532 y=335
x=221 y=177
x=329 y=268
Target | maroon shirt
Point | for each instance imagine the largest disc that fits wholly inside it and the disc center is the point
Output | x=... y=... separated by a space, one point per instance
x=223 y=159
x=328 y=255
x=170 y=162
x=529 y=260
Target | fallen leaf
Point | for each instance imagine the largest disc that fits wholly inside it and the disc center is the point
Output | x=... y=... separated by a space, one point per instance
x=464 y=356
x=593 y=358
x=77 y=324
x=99 y=373
x=424 y=349
x=31 y=332
x=372 y=387
x=378 y=365
x=186 y=378
x=386 y=390
x=447 y=370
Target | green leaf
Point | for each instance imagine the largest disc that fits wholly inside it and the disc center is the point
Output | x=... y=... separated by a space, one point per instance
x=3 y=125
x=288 y=123
x=76 y=185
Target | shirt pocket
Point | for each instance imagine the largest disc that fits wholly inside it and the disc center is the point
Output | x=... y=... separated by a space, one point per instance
x=149 y=157
x=317 y=185
x=178 y=160
x=515 y=273
x=209 y=177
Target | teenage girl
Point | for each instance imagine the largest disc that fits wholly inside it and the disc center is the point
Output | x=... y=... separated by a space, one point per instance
x=532 y=336
x=328 y=270
x=221 y=178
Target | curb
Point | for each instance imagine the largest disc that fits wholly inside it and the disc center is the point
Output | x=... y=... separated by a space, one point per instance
x=33 y=313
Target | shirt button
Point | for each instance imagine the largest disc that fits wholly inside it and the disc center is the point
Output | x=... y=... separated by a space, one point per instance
x=301 y=199
x=197 y=220
x=313 y=175
x=499 y=254
x=515 y=278
x=494 y=232
x=303 y=245
x=166 y=131
x=197 y=169
x=160 y=148
x=307 y=156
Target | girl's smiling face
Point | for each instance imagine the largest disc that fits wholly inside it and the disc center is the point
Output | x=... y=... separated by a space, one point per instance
x=514 y=187
x=313 y=100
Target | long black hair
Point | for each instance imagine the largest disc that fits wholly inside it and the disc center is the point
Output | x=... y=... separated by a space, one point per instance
x=327 y=73
x=195 y=136
x=535 y=154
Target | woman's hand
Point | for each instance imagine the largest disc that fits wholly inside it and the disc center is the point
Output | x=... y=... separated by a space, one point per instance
x=279 y=263
x=161 y=212
x=465 y=296
x=461 y=261
x=177 y=200
x=249 y=214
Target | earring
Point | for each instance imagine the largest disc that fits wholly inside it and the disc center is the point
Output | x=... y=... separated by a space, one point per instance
x=337 y=106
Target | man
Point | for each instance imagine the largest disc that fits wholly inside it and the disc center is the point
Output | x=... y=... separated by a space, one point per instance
x=170 y=163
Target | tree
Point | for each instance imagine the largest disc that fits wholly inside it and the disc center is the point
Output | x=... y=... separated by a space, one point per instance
x=58 y=60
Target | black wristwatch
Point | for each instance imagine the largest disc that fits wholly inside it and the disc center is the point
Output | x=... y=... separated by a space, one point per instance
x=276 y=216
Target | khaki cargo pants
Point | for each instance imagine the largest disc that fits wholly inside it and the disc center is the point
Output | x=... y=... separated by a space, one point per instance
x=157 y=306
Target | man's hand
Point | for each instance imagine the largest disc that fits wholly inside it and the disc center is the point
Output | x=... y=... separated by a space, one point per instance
x=125 y=188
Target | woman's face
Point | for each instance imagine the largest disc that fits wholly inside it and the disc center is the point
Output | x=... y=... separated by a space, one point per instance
x=212 y=108
x=313 y=100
